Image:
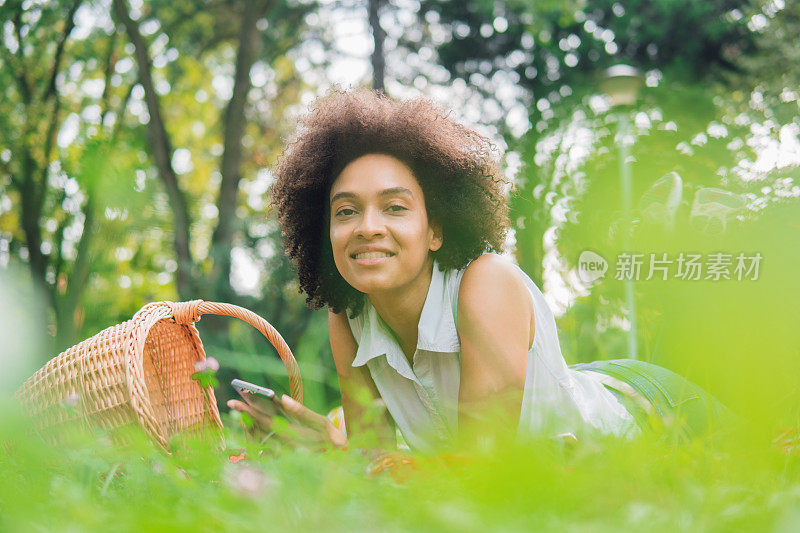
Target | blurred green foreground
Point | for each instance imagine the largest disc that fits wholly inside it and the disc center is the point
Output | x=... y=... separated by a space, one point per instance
x=135 y=157
x=745 y=484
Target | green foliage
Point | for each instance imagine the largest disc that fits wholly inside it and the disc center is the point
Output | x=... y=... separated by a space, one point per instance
x=705 y=68
x=712 y=101
x=105 y=219
x=556 y=53
x=772 y=68
x=88 y=484
x=549 y=45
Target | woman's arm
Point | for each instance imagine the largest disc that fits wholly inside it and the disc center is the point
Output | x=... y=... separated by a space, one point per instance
x=495 y=328
x=360 y=400
x=364 y=411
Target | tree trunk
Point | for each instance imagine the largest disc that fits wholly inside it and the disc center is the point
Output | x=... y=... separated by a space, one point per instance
x=234 y=123
x=530 y=238
x=68 y=303
x=30 y=213
x=378 y=36
x=535 y=221
x=160 y=144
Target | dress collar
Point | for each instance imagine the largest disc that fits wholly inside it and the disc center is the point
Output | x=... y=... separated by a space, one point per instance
x=436 y=331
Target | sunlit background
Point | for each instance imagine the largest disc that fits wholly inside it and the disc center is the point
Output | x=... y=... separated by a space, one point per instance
x=136 y=141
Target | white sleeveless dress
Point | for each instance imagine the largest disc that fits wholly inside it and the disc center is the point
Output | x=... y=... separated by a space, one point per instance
x=423 y=397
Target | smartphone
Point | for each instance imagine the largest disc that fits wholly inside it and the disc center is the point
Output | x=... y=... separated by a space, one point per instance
x=260 y=398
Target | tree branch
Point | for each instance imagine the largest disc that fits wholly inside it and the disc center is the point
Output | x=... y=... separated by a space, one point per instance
x=378 y=36
x=30 y=213
x=109 y=70
x=80 y=269
x=120 y=112
x=22 y=79
x=66 y=294
x=50 y=88
x=49 y=141
x=212 y=43
x=51 y=92
x=58 y=265
x=161 y=147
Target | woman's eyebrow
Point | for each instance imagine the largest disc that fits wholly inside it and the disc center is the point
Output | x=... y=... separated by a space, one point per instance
x=395 y=190
x=339 y=195
x=386 y=192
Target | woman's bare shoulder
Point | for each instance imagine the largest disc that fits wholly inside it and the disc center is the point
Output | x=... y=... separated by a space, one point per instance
x=495 y=324
x=488 y=274
x=492 y=296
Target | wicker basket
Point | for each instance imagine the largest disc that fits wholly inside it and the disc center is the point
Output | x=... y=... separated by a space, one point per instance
x=139 y=373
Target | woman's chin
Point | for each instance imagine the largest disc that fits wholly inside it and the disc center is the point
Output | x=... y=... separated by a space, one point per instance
x=371 y=288
x=373 y=285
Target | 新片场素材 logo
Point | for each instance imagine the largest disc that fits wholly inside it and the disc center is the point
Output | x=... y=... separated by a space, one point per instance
x=591 y=266
x=684 y=266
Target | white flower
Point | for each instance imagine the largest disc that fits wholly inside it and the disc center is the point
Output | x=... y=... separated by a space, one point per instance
x=71 y=400
x=209 y=363
x=247 y=480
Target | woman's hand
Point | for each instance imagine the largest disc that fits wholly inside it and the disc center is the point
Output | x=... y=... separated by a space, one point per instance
x=307 y=427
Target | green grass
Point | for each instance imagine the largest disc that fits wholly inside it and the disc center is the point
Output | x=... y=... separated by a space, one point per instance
x=89 y=484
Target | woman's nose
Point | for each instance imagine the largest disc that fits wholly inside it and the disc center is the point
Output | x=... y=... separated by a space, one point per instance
x=371 y=224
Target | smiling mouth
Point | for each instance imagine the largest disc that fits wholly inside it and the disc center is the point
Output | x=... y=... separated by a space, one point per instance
x=371 y=255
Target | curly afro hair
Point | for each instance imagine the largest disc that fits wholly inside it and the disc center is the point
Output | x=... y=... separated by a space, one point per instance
x=456 y=168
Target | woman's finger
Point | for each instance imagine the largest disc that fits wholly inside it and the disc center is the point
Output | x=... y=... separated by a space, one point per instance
x=310 y=427
x=320 y=423
x=262 y=420
x=303 y=414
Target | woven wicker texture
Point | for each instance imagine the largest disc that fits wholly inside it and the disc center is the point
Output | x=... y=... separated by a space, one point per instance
x=139 y=373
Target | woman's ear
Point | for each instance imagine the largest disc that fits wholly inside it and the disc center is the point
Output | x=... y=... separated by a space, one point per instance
x=436 y=240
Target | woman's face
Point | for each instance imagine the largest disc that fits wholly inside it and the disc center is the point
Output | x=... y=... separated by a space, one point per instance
x=379 y=228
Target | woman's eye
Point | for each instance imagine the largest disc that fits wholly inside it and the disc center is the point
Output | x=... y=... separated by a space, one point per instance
x=346 y=212
x=396 y=208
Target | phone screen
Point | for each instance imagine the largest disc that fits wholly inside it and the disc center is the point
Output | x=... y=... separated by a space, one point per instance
x=261 y=398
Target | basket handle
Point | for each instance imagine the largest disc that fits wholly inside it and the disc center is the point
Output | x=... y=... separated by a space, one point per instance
x=191 y=311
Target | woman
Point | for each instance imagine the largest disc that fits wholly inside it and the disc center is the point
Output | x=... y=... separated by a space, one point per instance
x=394 y=215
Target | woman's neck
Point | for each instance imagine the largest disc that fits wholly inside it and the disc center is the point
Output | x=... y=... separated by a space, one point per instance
x=401 y=308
